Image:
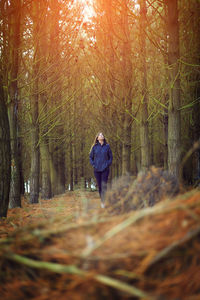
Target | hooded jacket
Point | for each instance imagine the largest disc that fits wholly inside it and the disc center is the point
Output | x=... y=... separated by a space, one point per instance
x=101 y=157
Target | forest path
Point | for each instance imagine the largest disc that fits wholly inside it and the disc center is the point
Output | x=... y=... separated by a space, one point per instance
x=72 y=206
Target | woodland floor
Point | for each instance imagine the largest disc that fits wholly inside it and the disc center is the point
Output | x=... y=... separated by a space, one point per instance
x=72 y=206
x=68 y=247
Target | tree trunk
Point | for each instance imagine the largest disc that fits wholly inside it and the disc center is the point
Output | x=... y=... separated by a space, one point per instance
x=5 y=157
x=35 y=154
x=196 y=137
x=15 y=187
x=144 y=130
x=53 y=173
x=45 y=167
x=71 y=169
x=165 y=128
x=126 y=146
x=82 y=164
x=14 y=41
x=60 y=167
x=174 y=92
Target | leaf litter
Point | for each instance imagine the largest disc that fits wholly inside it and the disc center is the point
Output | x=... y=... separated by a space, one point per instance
x=69 y=248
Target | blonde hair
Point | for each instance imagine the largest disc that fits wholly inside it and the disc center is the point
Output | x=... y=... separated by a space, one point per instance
x=96 y=140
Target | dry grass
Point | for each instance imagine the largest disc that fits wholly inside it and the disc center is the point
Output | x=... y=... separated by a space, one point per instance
x=69 y=248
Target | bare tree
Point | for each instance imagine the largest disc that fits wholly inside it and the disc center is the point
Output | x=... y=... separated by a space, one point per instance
x=144 y=130
x=174 y=118
x=35 y=154
x=5 y=156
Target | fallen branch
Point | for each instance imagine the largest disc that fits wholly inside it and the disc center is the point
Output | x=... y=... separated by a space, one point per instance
x=72 y=269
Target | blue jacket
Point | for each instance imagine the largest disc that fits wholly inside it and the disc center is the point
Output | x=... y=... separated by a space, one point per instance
x=101 y=157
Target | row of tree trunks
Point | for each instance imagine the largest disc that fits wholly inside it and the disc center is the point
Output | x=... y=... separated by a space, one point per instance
x=13 y=98
x=57 y=157
x=47 y=160
x=144 y=126
x=116 y=95
x=127 y=92
x=44 y=106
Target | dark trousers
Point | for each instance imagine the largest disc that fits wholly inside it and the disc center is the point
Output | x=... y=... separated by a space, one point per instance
x=102 y=179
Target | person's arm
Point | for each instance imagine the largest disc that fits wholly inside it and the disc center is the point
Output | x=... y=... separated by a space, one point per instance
x=92 y=157
x=110 y=156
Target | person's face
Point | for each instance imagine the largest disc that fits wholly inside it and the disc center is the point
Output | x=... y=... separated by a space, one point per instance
x=100 y=137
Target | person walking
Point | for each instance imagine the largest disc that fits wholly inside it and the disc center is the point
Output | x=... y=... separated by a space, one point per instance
x=101 y=158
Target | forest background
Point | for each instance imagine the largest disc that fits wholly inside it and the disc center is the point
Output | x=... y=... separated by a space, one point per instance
x=129 y=68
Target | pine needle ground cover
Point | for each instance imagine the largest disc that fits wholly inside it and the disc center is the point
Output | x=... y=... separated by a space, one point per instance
x=69 y=248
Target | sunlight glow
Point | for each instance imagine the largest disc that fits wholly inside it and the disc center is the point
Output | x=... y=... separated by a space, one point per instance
x=88 y=10
x=136 y=5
